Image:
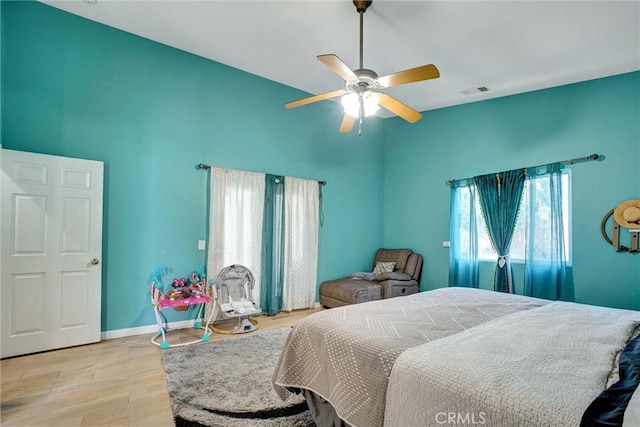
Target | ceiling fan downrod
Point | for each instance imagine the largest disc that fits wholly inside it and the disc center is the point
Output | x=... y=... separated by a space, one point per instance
x=361 y=8
x=361 y=87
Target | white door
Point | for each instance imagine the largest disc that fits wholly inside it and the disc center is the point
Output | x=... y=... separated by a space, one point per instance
x=51 y=232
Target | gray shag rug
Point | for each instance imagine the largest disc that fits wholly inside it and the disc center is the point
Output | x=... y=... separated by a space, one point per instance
x=228 y=383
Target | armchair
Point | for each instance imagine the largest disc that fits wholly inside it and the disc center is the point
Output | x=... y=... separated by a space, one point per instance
x=396 y=272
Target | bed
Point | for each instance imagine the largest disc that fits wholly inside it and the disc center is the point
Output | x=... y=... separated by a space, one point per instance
x=454 y=356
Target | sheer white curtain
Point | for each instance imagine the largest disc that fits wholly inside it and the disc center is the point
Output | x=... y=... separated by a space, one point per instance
x=235 y=222
x=301 y=243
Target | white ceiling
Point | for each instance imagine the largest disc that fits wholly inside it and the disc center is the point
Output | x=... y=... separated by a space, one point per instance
x=508 y=46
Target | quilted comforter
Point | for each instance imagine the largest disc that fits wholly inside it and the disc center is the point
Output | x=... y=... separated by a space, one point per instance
x=346 y=354
x=542 y=367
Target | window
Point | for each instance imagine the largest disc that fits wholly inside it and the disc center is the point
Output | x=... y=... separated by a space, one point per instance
x=540 y=211
x=270 y=228
x=537 y=235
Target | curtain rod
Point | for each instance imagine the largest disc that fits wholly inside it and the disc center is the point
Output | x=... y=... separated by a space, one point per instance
x=203 y=166
x=564 y=162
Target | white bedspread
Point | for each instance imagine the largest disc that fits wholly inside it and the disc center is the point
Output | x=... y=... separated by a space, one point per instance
x=346 y=354
x=540 y=367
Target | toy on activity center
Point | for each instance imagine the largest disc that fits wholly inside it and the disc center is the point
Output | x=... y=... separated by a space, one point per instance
x=180 y=296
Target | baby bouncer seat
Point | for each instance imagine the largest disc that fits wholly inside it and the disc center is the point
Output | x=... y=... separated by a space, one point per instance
x=234 y=292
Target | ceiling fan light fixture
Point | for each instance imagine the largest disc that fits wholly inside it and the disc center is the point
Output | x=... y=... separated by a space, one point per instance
x=370 y=101
x=351 y=104
x=363 y=94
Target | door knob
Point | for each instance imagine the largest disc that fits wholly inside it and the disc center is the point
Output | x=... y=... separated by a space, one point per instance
x=95 y=261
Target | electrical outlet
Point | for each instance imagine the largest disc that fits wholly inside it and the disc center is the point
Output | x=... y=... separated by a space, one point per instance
x=201 y=245
x=446 y=244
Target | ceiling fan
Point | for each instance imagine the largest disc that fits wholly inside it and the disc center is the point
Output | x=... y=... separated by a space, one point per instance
x=363 y=94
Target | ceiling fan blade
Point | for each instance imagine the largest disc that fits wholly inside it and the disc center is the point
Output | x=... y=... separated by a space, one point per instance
x=338 y=67
x=400 y=109
x=347 y=123
x=417 y=74
x=314 y=98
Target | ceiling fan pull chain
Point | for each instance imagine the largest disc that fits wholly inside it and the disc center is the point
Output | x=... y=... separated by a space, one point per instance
x=360 y=112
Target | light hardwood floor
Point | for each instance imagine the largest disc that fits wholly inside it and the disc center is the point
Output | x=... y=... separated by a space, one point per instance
x=118 y=382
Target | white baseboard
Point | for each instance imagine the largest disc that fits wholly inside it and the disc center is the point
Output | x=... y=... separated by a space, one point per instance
x=150 y=329
x=142 y=330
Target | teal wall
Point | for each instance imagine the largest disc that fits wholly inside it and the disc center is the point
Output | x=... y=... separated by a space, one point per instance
x=599 y=116
x=75 y=88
